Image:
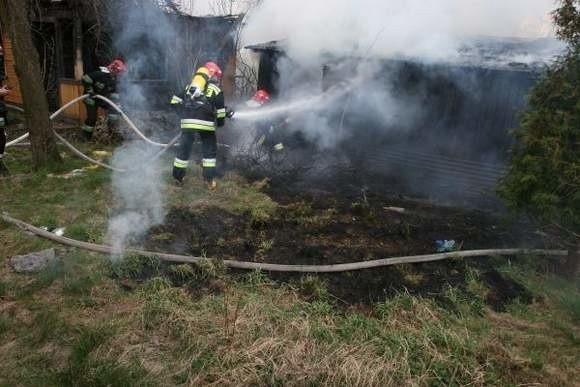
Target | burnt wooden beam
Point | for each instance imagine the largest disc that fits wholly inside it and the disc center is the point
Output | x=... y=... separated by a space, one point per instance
x=78 y=46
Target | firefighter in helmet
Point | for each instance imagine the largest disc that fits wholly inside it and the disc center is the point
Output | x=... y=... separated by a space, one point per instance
x=102 y=82
x=267 y=134
x=259 y=99
x=201 y=107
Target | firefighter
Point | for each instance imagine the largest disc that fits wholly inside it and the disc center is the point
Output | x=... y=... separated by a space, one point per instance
x=201 y=107
x=4 y=91
x=267 y=130
x=102 y=82
x=259 y=99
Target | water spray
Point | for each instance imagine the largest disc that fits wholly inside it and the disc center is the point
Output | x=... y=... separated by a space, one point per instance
x=300 y=104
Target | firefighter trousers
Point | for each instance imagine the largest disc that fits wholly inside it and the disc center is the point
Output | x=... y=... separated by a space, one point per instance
x=208 y=150
x=93 y=105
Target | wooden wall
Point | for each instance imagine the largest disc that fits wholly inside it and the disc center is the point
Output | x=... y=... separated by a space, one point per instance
x=15 y=97
x=67 y=89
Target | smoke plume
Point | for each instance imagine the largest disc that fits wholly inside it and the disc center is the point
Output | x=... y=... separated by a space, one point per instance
x=138 y=195
x=419 y=28
x=142 y=36
x=407 y=75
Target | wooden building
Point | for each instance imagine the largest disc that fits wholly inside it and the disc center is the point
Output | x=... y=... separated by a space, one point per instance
x=72 y=40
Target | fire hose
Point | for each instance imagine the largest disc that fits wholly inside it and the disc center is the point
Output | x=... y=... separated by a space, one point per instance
x=270 y=267
x=128 y=120
x=111 y=103
x=89 y=159
x=52 y=117
x=108 y=101
x=107 y=166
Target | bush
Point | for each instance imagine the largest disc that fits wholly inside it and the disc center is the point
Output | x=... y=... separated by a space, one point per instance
x=544 y=178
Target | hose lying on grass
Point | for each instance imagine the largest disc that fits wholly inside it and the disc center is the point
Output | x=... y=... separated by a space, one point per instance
x=89 y=159
x=284 y=268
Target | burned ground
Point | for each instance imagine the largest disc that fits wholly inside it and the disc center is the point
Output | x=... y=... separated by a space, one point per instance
x=322 y=227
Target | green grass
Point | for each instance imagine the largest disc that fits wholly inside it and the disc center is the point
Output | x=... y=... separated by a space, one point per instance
x=86 y=370
x=87 y=321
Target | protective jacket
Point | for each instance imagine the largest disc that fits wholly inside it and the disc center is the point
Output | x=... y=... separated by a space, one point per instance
x=100 y=82
x=200 y=108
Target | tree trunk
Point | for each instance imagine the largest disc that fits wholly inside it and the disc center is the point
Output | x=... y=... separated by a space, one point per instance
x=15 y=22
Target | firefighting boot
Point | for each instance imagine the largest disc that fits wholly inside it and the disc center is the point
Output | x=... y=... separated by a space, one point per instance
x=178 y=175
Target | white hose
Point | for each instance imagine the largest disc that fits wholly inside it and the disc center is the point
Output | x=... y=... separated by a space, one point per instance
x=114 y=106
x=332 y=268
x=107 y=166
x=89 y=159
x=128 y=120
x=52 y=117
x=19 y=139
x=14 y=107
x=82 y=97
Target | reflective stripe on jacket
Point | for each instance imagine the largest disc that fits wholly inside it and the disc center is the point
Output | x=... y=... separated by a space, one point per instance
x=204 y=113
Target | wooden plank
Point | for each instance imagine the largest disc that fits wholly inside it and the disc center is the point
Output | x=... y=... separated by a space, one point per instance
x=68 y=90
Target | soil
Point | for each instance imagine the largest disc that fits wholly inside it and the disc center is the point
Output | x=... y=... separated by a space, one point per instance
x=320 y=227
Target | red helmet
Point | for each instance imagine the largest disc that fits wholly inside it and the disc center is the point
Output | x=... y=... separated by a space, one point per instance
x=117 y=66
x=214 y=69
x=261 y=96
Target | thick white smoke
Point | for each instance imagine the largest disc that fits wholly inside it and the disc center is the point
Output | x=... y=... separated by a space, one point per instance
x=366 y=44
x=139 y=202
x=138 y=195
x=312 y=32
x=424 y=28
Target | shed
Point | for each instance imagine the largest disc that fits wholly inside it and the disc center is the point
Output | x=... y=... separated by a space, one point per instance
x=438 y=128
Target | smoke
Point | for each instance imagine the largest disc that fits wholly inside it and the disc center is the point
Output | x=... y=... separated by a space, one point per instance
x=142 y=35
x=138 y=195
x=321 y=116
x=406 y=75
x=430 y=29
